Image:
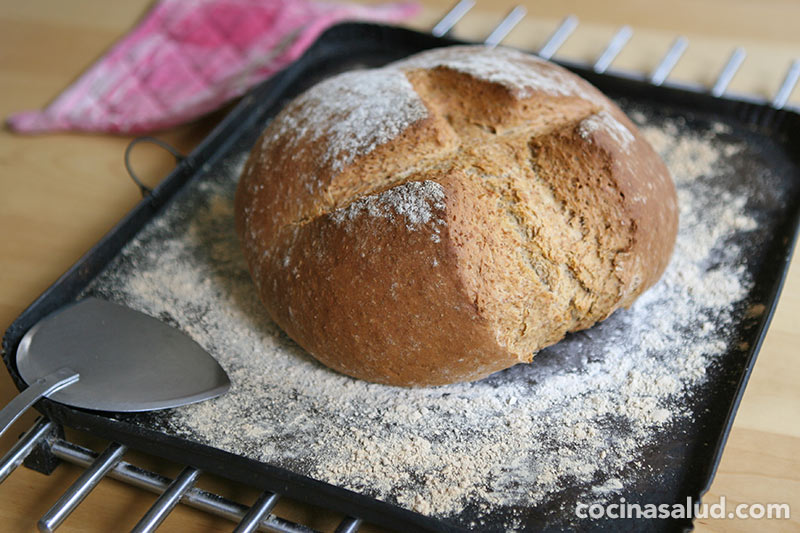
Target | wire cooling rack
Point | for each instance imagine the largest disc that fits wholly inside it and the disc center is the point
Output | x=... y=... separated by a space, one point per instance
x=43 y=446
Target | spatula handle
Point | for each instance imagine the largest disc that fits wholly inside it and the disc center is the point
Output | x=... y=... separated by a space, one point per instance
x=63 y=377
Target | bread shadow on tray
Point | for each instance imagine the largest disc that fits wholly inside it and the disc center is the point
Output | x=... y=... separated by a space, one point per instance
x=573 y=354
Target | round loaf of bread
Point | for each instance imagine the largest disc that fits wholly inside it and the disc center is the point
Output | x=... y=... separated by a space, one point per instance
x=449 y=215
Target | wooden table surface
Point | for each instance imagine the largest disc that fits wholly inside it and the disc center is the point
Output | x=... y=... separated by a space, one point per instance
x=60 y=193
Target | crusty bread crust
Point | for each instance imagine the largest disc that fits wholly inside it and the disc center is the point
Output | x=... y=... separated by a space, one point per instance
x=450 y=215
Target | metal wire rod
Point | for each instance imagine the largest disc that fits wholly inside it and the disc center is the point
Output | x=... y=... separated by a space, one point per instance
x=505 y=26
x=558 y=37
x=615 y=46
x=670 y=59
x=23 y=447
x=728 y=71
x=257 y=512
x=81 y=488
x=792 y=75
x=452 y=17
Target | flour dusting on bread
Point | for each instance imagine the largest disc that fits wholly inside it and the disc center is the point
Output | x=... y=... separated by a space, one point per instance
x=365 y=109
x=605 y=121
x=524 y=74
x=416 y=201
x=351 y=113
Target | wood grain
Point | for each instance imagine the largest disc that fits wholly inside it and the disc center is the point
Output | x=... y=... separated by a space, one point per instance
x=60 y=193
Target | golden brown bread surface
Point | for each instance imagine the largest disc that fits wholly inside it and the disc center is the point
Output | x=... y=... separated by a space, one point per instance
x=451 y=214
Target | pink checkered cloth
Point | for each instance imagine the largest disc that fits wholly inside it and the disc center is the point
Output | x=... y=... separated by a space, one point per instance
x=188 y=57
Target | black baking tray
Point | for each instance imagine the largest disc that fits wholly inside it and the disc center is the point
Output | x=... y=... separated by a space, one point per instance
x=687 y=463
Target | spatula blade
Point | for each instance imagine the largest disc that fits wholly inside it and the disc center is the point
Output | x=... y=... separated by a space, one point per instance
x=127 y=361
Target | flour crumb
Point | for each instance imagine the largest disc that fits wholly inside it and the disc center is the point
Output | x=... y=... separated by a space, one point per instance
x=612 y=485
x=416 y=201
x=605 y=121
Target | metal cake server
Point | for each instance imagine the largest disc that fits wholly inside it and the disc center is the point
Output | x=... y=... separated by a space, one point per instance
x=107 y=357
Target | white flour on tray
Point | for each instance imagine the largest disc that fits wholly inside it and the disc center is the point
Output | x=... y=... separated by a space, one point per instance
x=512 y=439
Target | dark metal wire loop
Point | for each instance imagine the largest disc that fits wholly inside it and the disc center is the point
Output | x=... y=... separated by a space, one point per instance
x=145 y=190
